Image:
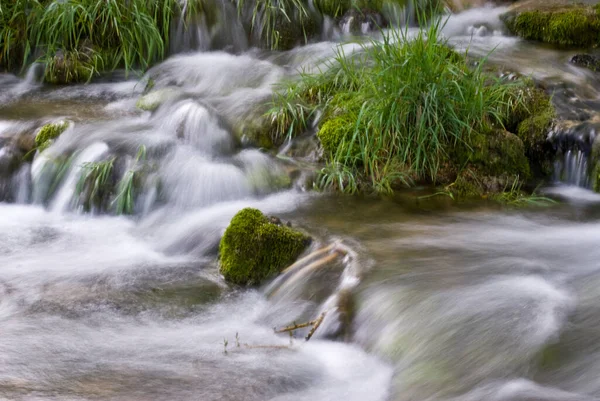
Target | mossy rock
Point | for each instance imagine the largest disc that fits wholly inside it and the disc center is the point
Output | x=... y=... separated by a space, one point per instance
x=594 y=161
x=495 y=153
x=255 y=131
x=152 y=100
x=556 y=22
x=531 y=119
x=336 y=132
x=48 y=133
x=254 y=249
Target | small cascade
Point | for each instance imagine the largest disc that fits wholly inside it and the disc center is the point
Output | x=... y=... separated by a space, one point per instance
x=572 y=169
x=207 y=25
x=574 y=142
x=33 y=80
x=64 y=198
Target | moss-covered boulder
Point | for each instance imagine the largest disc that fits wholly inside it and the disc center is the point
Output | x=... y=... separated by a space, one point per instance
x=48 y=133
x=253 y=248
x=559 y=22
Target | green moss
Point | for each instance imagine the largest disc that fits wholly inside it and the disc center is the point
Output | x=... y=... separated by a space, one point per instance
x=571 y=26
x=533 y=131
x=506 y=155
x=48 y=133
x=335 y=132
x=253 y=249
x=493 y=154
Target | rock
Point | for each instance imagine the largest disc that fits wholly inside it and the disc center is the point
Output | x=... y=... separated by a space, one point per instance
x=254 y=249
x=361 y=21
x=586 y=61
x=10 y=159
x=48 y=133
x=559 y=22
x=151 y=101
x=594 y=161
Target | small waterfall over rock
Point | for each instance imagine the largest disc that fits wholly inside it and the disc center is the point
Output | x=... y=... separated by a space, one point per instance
x=575 y=142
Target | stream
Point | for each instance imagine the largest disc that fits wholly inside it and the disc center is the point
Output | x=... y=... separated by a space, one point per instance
x=442 y=300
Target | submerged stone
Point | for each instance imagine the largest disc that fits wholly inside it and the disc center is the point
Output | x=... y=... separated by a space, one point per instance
x=586 y=61
x=560 y=22
x=254 y=248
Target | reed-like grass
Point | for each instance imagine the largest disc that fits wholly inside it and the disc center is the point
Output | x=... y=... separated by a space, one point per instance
x=398 y=110
x=128 y=187
x=128 y=33
x=275 y=21
x=95 y=184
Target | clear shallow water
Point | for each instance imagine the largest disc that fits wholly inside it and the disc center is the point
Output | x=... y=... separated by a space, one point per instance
x=434 y=300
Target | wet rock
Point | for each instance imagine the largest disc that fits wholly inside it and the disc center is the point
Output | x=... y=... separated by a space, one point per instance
x=595 y=164
x=10 y=160
x=254 y=248
x=151 y=101
x=363 y=21
x=559 y=22
x=586 y=61
x=48 y=134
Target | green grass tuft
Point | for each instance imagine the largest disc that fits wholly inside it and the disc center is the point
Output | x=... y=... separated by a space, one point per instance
x=398 y=110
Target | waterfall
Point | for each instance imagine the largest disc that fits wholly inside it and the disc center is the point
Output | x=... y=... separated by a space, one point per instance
x=574 y=143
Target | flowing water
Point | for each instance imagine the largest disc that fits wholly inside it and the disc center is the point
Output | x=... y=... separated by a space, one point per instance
x=431 y=300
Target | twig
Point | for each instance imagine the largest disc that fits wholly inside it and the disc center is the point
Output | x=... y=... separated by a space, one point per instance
x=316 y=325
x=267 y=346
x=295 y=327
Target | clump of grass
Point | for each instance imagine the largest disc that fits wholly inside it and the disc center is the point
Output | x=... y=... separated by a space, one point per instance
x=127 y=188
x=402 y=107
x=516 y=196
x=98 y=188
x=109 y=33
x=276 y=21
x=95 y=184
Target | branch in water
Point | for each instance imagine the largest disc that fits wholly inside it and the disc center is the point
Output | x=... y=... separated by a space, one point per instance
x=314 y=323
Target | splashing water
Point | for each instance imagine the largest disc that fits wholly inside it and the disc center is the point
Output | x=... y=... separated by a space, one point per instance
x=420 y=303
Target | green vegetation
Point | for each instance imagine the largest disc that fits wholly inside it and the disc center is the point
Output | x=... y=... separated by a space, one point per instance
x=48 y=133
x=280 y=24
x=254 y=249
x=79 y=38
x=95 y=184
x=413 y=110
x=129 y=185
x=571 y=25
x=99 y=189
